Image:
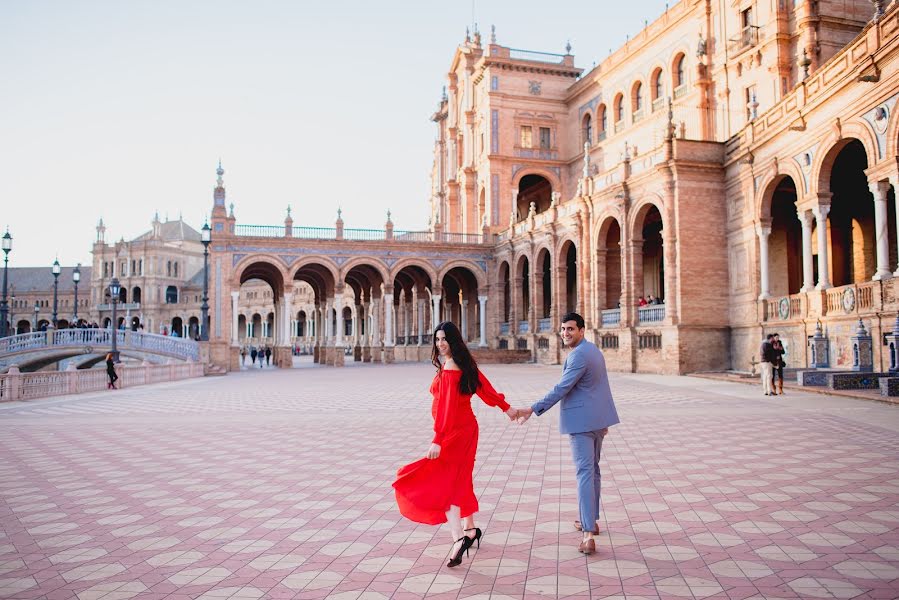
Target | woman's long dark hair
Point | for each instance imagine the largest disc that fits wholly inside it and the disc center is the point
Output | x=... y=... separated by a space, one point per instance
x=468 y=382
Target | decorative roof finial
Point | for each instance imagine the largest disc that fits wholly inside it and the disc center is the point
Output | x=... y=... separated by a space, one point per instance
x=288 y=210
x=493 y=34
x=444 y=97
x=467 y=36
x=388 y=214
x=804 y=63
x=232 y=210
x=339 y=213
x=568 y=47
x=219 y=171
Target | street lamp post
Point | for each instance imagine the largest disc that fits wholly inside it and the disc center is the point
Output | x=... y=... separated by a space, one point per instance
x=76 y=277
x=4 y=305
x=114 y=288
x=206 y=237
x=56 y=271
x=37 y=310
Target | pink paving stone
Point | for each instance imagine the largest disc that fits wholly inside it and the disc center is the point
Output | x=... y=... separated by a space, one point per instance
x=219 y=468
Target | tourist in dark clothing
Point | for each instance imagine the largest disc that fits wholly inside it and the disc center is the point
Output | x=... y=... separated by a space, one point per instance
x=110 y=372
x=253 y=354
x=268 y=355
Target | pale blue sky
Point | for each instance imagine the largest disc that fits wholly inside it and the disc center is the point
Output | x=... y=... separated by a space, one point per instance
x=121 y=108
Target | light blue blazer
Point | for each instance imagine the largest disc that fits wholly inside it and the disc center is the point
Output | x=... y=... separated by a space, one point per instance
x=584 y=392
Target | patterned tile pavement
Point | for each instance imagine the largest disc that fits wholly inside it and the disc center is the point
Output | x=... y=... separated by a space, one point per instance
x=276 y=484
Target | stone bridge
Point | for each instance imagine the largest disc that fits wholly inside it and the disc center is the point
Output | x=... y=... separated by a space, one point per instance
x=86 y=347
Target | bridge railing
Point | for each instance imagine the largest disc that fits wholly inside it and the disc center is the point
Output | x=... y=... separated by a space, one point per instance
x=101 y=338
x=42 y=384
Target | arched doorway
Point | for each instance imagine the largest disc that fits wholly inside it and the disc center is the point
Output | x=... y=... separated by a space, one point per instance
x=460 y=300
x=322 y=324
x=785 y=243
x=23 y=326
x=171 y=295
x=193 y=328
x=569 y=276
x=135 y=323
x=851 y=233
x=177 y=329
x=506 y=286
x=301 y=331
x=62 y=324
x=608 y=265
x=536 y=189
x=523 y=276
x=136 y=295
x=241 y=328
x=651 y=287
x=544 y=290
x=256 y=332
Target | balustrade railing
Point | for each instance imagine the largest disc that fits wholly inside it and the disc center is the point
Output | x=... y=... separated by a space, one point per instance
x=544 y=325
x=852 y=298
x=504 y=328
x=651 y=314
x=355 y=234
x=267 y=231
x=523 y=327
x=28 y=386
x=611 y=317
x=786 y=307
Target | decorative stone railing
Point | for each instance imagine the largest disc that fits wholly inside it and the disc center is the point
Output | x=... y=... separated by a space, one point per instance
x=101 y=339
x=368 y=235
x=544 y=325
x=651 y=314
x=28 y=386
x=523 y=326
x=611 y=317
x=852 y=298
x=784 y=308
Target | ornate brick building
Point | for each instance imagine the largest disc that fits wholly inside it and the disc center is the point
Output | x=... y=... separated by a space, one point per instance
x=734 y=162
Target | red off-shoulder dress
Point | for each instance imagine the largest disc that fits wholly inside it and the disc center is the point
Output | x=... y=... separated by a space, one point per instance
x=427 y=488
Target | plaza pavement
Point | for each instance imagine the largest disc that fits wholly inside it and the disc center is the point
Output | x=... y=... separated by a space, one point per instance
x=276 y=484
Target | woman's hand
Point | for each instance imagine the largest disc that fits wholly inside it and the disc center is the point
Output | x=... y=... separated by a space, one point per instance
x=434 y=451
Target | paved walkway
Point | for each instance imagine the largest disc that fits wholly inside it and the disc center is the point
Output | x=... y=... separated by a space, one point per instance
x=276 y=484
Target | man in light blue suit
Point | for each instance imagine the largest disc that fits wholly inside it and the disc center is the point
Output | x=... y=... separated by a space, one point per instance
x=587 y=412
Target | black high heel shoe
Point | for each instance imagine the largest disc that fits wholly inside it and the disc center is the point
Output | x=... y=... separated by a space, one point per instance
x=456 y=560
x=477 y=535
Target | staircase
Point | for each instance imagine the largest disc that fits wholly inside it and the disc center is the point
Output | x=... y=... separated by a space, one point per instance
x=212 y=370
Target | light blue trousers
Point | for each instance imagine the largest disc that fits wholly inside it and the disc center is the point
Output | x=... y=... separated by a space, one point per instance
x=585 y=449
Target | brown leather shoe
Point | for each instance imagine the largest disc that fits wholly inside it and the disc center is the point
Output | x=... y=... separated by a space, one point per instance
x=587 y=546
x=579 y=527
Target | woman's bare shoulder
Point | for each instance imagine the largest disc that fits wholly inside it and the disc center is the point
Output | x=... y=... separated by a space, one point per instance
x=450 y=365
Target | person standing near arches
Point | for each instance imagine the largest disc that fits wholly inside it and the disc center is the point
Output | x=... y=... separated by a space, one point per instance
x=110 y=372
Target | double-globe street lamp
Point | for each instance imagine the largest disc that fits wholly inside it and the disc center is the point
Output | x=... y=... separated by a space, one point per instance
x=37 y=312
x=4 y=305
x=56 y=271
x=114 y=288
x=205 y=237
x=76 y=277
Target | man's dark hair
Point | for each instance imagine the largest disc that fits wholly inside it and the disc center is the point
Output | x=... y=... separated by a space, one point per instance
x=775 y=334
x=770 y=335
x=573 y=316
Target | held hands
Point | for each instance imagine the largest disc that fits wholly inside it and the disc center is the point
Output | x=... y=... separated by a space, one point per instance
x=433 y=451
x=519 y=415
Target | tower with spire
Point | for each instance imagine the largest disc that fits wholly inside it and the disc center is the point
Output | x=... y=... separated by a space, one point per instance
x=219 y=212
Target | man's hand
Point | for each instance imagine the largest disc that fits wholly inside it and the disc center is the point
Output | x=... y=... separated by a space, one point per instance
x=434 y=451
x=604 y=432
x=524 y=414
x=513 y=413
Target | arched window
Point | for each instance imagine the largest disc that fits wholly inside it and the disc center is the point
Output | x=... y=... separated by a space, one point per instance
x=658 y=90
x=679 y=77
x=587 y=130
x=619 y=108
x=171 y=295
x=602 y=120
x=637 y=97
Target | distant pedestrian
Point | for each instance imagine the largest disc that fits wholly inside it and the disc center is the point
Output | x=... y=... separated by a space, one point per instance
x=253 y=354
x=777 y=366
x=243 y=355
x=110 y=372
x=268 y=355
x=766 y=357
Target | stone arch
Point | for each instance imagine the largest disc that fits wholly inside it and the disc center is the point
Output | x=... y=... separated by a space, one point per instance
x=638 y=214
x=545 y=262
x=504 y=284
x=657 y=83
x=264 y=267
x=567 y=261
x=765 y=192
x=424 y=265
x=646 y=246
x=320 y=261
x=375 y=264
x=892 y=132
x=609 y=268
x=545 y=173
x=477 y=271
x=461 y=283
x=834 y=143
x=679 y=71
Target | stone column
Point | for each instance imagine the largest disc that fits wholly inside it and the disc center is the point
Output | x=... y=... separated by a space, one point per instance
x=763 y=231
x=808 y=269
x=821 y=221
x=407 y=320
x=421 y=320
x=235 y=334
x=880 y=189
x=464 y=319
x=286 y=309
x=894 y=181
x=482 y=301
x=435 y=310
x=389 y=339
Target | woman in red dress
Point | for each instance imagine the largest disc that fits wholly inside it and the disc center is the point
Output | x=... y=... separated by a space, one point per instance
x=438 y=488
